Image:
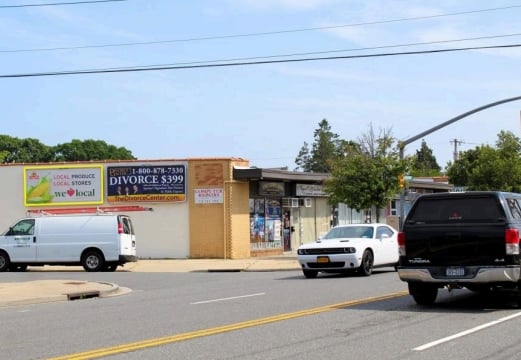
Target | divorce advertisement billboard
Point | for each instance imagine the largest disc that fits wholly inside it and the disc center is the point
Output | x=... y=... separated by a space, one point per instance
x=150 y=183
x=63 y=185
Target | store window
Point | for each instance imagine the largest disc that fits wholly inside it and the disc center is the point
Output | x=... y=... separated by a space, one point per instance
x=265 y=223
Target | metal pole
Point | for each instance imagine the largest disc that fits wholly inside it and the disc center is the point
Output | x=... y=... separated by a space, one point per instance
x=403 y=143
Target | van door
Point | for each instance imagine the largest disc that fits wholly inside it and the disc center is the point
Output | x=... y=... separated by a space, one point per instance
x=19 y=241
x=127 y=236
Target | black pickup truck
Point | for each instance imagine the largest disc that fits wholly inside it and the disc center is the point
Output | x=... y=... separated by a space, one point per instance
x=456 y=240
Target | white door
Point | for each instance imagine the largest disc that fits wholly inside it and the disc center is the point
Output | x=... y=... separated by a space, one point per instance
x=20 y=241
x=389 y=245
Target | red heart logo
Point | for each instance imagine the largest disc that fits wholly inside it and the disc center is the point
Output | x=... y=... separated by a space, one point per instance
x=70 y=192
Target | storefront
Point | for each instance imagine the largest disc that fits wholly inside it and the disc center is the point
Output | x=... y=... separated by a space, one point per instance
x=286 y=208
x=181 y=208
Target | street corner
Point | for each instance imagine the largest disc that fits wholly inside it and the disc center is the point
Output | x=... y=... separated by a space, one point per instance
x=45 y=291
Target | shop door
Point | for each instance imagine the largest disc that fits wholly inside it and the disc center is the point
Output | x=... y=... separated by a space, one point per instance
x=286 y=228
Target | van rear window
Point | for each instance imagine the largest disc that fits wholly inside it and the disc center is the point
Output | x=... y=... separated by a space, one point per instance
x=457 y=209
x=127 y=225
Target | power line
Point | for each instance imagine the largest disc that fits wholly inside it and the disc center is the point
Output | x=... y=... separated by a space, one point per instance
x=267 y=33
x=58 y=3
x=249 y=63
x=318 y=52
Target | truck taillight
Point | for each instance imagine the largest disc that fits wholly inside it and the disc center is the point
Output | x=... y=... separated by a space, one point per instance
x=120 y=228
x=401 y=243
x=512 y=241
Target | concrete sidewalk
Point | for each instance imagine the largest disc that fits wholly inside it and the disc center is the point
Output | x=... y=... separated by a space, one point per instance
x=32 y=292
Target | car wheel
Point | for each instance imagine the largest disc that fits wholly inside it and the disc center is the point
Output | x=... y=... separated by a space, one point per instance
x=92 y=260
x=366 y=267
x=4 y=261
x=110 y=267
x=310 y=274
x=423 y=294
x=18 y=267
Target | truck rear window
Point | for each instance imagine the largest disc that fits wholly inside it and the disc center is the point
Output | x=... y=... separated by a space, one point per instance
x=468 y=209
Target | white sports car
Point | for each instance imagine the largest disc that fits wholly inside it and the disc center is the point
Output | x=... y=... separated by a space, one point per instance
x=353 y=247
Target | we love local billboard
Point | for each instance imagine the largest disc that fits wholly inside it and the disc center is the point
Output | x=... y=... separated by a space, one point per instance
x=63 y=185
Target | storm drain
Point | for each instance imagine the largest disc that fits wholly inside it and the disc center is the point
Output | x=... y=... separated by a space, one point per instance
x=80 y=295
x=83 y=295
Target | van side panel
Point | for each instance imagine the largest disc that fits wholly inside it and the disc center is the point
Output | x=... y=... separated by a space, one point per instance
x=63 y=238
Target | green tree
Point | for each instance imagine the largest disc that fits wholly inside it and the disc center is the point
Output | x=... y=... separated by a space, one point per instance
x=367 y=175
x=27 y=150
x=15 y=150
x=78 y=150
x=489 y=168
x=325 y=148
x=424 y=162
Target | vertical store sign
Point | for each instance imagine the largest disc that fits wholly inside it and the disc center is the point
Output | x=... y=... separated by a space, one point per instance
x=63 y=185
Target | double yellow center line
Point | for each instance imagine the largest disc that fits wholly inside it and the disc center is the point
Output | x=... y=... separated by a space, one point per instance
x=144 y=344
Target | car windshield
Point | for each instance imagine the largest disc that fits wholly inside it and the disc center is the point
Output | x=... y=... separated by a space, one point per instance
x=349 y=232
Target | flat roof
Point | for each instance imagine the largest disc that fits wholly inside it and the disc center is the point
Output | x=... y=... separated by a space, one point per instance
x=247 y=173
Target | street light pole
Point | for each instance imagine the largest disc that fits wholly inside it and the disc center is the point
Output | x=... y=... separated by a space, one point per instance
x=402 y=144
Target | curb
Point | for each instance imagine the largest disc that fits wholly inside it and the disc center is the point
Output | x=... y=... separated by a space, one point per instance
x=64 y=295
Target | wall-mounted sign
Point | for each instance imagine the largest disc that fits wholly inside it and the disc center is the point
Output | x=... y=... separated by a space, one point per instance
x=209 y=196
x=310 y=190
x=63 y=185
x=150 y=183
x=271 y=188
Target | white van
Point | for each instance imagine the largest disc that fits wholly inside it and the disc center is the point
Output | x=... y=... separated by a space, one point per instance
x=98 y=242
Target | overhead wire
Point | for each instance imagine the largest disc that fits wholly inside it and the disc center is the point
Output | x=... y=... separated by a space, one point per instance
x=249 y=63
x=58 y=3
x=266 y=33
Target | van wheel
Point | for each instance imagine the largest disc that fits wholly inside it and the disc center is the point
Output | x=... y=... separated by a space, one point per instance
x=423 y=294
x=92 y=260
x=366 y=267
x=110 y=267
x=4 y=261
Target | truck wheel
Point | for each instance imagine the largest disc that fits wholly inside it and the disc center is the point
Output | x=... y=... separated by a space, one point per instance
x=423 y=294
x=4 y=261
x=366 y=267
x=92 y=260
x=310 y=274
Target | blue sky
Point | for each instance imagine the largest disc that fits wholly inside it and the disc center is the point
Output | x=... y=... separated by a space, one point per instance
x=263 y=113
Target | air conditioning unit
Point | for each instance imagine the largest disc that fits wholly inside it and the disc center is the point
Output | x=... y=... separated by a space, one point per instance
x=307 y=202
x=294 y=203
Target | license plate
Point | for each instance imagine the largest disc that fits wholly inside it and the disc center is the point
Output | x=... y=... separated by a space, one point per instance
x=455 y=271
x=322 y=259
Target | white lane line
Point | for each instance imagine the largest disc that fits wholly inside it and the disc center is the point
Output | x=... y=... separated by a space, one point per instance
x=225 y=299
x=466 y=332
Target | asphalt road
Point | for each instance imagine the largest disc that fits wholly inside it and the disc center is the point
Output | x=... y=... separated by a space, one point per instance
x=264 y=315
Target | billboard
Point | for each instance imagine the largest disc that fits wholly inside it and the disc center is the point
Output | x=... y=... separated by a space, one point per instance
x=63 y=185
x=150 y=183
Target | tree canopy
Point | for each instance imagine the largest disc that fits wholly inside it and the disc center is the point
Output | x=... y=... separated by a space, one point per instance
x=424 y=163
x=15 y=150
x=489 y=168
x=326 y=147
x=367 y=174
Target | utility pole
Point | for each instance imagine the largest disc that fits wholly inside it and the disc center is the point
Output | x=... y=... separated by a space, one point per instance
x=456 y=143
